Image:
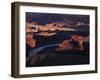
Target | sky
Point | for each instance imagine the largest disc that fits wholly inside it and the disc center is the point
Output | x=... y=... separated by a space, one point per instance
x=45 y=18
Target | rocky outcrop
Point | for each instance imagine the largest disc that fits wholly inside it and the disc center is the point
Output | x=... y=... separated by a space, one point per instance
x=46 y=34
x=79 y=39
x=65 y=45
x=33 y=27
x=72 y=43
x=30 y=41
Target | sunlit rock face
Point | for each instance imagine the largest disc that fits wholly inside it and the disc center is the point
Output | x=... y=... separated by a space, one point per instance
x=34 y=27
x=65 y=45
x=80 y=40
x=44 y=28
x=69 y=45
x=29 y=30
x=30 y=41
x=46 y=34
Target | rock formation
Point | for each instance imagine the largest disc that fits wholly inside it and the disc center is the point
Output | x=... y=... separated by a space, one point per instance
x=30 y=41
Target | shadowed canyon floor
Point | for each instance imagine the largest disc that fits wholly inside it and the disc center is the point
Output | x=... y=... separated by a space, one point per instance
x=58 y=58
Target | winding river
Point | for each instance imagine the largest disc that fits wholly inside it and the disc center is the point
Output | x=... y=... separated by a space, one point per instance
x=38 y=49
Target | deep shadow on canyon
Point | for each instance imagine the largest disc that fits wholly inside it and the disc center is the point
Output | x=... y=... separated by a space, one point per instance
x=50 y=56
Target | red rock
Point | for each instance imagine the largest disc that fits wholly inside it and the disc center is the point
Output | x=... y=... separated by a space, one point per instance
x=30 y=41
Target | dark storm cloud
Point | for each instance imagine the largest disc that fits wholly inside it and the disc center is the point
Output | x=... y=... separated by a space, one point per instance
x=44 y=18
